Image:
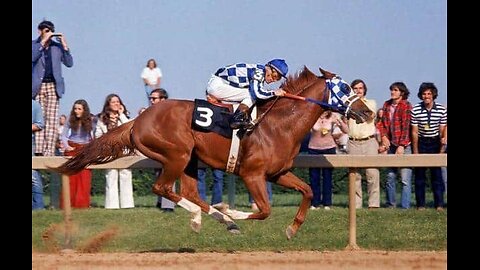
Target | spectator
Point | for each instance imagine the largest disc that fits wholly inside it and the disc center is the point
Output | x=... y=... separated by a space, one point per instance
x=395 y=138
x=429 y=120
x=163 y=204
x=217 y=187
x=47 y=82
x=444 y=150
x=321 y=143
x=244 y=83
x=114 y=113
x=37 y=185
x=378 y=121
x=55 y=177
x=151 y=76
x=254 y=204
x=340 y=137
x=77 y=132
x=59 y=148
x=362 y=141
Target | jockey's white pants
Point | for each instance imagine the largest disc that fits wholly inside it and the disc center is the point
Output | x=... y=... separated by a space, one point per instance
x=113 y=177
x=220 y=89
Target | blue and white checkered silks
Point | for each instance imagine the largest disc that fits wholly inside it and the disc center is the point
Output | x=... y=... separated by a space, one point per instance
x=340 y=91
x=251 y=76
x=238 y=75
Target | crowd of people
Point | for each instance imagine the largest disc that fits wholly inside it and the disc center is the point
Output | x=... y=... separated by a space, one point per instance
x=399 y=128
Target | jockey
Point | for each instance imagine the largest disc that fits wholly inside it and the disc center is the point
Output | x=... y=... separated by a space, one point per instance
x=244 y=83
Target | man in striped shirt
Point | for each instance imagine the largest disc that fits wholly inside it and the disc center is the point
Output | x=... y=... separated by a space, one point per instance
x=244 y=83
x=429 y=120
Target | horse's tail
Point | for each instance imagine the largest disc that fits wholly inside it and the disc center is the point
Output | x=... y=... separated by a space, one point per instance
x=114 y=144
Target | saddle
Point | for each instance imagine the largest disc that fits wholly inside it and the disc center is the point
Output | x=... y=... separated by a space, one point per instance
x=214 y=101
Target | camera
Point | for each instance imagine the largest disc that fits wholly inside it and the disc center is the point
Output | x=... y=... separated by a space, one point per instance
x=56 y=35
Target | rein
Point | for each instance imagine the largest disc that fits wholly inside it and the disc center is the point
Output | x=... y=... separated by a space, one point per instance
x=318 y=102
x=344 y=108
x=260 y=118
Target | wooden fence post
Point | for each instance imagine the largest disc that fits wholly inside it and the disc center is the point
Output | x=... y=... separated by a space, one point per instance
x=67 y=211
x=352 y=229
x=231 y=190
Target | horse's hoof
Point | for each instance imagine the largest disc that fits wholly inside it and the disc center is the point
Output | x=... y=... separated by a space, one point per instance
x=233 y=228
x=195 y=226
x=290 y=232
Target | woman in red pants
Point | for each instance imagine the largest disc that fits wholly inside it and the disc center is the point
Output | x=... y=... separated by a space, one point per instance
x=77 y=132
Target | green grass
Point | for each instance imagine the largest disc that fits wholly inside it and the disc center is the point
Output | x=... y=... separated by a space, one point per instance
x=145 y=228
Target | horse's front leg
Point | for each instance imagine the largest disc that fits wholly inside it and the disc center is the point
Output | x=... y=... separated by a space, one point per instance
x=289 y=180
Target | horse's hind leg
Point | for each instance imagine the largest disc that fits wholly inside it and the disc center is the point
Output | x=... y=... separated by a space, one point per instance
x=189 y=191
x=289 y=180
x=173 y=169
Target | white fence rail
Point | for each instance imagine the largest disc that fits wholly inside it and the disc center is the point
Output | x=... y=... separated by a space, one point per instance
x=301 y=161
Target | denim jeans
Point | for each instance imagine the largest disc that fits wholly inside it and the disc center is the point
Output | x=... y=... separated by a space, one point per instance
x=406 y=178
x=429 y=146
x=217 y=188
x=444 y=176
x=37 y=186
x=321 y=195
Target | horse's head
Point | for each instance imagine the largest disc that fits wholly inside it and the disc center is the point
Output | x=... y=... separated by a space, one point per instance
x=342 y=98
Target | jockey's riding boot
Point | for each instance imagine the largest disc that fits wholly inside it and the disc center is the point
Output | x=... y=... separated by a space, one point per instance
x=241 y=118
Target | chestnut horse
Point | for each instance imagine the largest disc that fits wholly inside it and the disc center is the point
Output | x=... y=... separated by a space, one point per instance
x=164 y=133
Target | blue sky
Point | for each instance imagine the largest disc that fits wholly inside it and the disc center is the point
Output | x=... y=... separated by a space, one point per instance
x=378 y=41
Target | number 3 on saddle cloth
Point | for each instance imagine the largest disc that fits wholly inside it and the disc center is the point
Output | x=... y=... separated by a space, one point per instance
x=208 y=117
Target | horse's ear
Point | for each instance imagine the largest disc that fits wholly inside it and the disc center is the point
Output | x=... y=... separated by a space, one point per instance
x=327 y=74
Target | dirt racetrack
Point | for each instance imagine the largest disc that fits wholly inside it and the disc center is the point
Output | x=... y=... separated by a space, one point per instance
x=298 y=260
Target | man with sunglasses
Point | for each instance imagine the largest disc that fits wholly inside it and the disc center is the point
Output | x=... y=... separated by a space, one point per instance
x=47 y=81
x=243 y=83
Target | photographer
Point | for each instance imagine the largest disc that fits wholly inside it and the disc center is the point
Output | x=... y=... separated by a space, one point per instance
x=48 y=53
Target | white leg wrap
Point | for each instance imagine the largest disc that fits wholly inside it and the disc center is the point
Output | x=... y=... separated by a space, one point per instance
x=218 y=215
x=238 y=214
x=192 y=208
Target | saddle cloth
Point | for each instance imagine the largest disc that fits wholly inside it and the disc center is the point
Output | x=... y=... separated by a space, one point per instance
x=211 y=118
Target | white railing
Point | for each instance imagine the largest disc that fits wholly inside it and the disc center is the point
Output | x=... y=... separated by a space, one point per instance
x=301 y=161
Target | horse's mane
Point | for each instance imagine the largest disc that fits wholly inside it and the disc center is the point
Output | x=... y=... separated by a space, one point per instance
x=297 y=82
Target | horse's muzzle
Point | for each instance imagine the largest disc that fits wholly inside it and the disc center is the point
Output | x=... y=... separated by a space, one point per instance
x=361 y=117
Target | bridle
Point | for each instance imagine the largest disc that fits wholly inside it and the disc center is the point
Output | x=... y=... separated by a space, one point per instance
x=337 y=99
